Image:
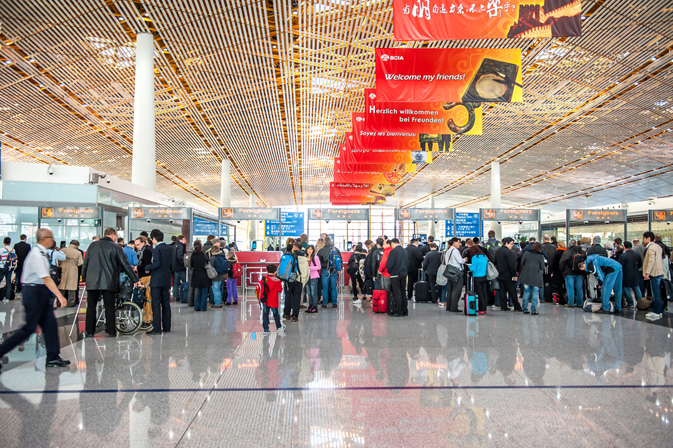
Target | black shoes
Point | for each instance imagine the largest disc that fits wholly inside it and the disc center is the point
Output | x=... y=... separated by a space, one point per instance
x=602 y=311
x=58 y=363
x=154 y=332
x=526 y=312
x=286 y=316
x=334 y=305
x=235 y=302
x=323 y=306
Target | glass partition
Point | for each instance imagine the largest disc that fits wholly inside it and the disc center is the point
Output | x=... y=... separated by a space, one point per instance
x=82 y=230
x=17 y=220
x=607 y=232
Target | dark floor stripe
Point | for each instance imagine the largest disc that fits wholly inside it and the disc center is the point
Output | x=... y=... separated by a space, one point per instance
x=353 y=388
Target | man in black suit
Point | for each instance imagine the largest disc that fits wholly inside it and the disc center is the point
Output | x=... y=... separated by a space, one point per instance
x=505 y=261
x=415 y=258
x=21 y=249
x=160 y=283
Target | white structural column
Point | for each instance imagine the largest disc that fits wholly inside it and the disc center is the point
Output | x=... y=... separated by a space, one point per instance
x=144 y=147
x=431 y=226
x=225 y=184
x=252 y=227
x=495 y=196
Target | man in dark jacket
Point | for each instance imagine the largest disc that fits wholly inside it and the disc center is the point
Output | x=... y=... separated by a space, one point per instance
x=397 y=266
x=328 y=273
x=415 y=259
x=425 y=249
x=573 y=280
x=631 y=262
x=21 y=249
x=431 y=263
x=178 y=268
x=160 y=283
x=103 y=262
x=505 y=262
x=618 y=250
x=548 y=250
x=373 y=259
x=596 y=248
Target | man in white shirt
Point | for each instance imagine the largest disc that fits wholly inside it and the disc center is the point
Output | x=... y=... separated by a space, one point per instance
x=37 y=283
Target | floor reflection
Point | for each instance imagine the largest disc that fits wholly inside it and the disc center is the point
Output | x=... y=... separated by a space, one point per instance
x=347 y=377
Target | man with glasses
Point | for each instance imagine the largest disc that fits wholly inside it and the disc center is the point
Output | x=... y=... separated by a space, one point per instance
x=37 y=285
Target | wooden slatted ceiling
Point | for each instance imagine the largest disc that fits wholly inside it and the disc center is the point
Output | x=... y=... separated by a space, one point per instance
x=271 y=87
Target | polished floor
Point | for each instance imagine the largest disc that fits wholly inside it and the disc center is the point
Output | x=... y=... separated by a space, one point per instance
x=347 y=377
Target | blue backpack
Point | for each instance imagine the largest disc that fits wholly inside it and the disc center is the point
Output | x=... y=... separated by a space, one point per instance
x=286 y=268
x=222 y=265
x=335 y=262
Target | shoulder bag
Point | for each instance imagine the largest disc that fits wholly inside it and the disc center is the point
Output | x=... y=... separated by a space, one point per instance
x=491 y=271
x=451 y=272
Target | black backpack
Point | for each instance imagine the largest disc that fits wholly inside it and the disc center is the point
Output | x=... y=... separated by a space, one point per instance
x=577 y=258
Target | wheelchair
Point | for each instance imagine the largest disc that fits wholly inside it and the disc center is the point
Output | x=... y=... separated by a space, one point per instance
x=129 y=310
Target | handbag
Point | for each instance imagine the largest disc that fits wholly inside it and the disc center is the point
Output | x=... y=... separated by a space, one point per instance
x=211 y=271
x=441 y=280
x=55 y=272
x=382 y=283
x=452 y=273
x=645 y=303
x=491 y=271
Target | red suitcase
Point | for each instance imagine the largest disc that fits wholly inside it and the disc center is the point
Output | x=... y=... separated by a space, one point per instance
x=380 y=301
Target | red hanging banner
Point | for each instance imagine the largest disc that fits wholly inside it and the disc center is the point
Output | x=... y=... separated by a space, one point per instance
x=373 y=176
x=422 y=118
x=401 y=141
x=349 y=189
x=378 y=156
x=485 y=19
x=461 y=75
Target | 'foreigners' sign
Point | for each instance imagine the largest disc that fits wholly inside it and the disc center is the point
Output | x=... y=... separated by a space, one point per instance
x=349 y=214
x=160 y=212
x=249 y=213
x=417 y=214
x=661 y=215
x=510 y=214
x=70 y=212
x=581 y=215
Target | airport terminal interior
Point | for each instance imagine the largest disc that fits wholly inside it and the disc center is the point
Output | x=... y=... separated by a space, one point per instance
x=363 y=168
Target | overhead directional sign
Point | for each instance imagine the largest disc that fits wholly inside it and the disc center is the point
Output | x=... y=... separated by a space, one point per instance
x=202 y=226
x=432 y=214
x=509 y=214
x=293 y=225
x=349 y=214
x=70 y=212
x=249 y=213
x=160 y=212
x=467 y=225
x=582 y=215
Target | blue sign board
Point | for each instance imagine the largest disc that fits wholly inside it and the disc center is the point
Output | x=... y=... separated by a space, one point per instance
x=293 y=225
x=422 y=236
x=203 y=227
x=467 y=224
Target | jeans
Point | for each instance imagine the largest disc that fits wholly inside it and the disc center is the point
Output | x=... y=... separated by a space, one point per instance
x=442 y=293
x=329 y=286
x=613 y=281
x=265 y=317
x=655 y=284
x=7 y=275
x=201 y=299
x=232 y=290
x=574 y=289
x=527 y=290
x=37 y=302
x=178 y=278
x=629 y=294
x=217 y=292
x=312 y=291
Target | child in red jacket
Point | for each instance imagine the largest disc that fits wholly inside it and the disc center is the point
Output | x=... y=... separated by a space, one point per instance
x=271 y=288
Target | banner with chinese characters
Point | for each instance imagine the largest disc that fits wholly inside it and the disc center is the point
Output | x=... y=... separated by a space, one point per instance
x=360 y=138
x=485 y=19
x=587 y=215
x=378 y=156
x=461 y=75
x=351 y=214
x=422 y=118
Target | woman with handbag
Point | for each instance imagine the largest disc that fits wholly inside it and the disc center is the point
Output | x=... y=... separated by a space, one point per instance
x=454 y=274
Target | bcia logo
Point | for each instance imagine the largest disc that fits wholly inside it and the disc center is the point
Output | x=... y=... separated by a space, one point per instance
x=385 y=58
x=359 y=119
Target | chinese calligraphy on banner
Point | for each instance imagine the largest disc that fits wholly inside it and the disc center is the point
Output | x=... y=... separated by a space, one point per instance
x=467 y=75
x=485 y=19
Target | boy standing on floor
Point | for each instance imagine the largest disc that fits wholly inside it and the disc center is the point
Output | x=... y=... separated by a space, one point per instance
x=271 y=287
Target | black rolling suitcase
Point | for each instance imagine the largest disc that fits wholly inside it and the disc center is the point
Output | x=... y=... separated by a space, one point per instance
x=421 y=288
